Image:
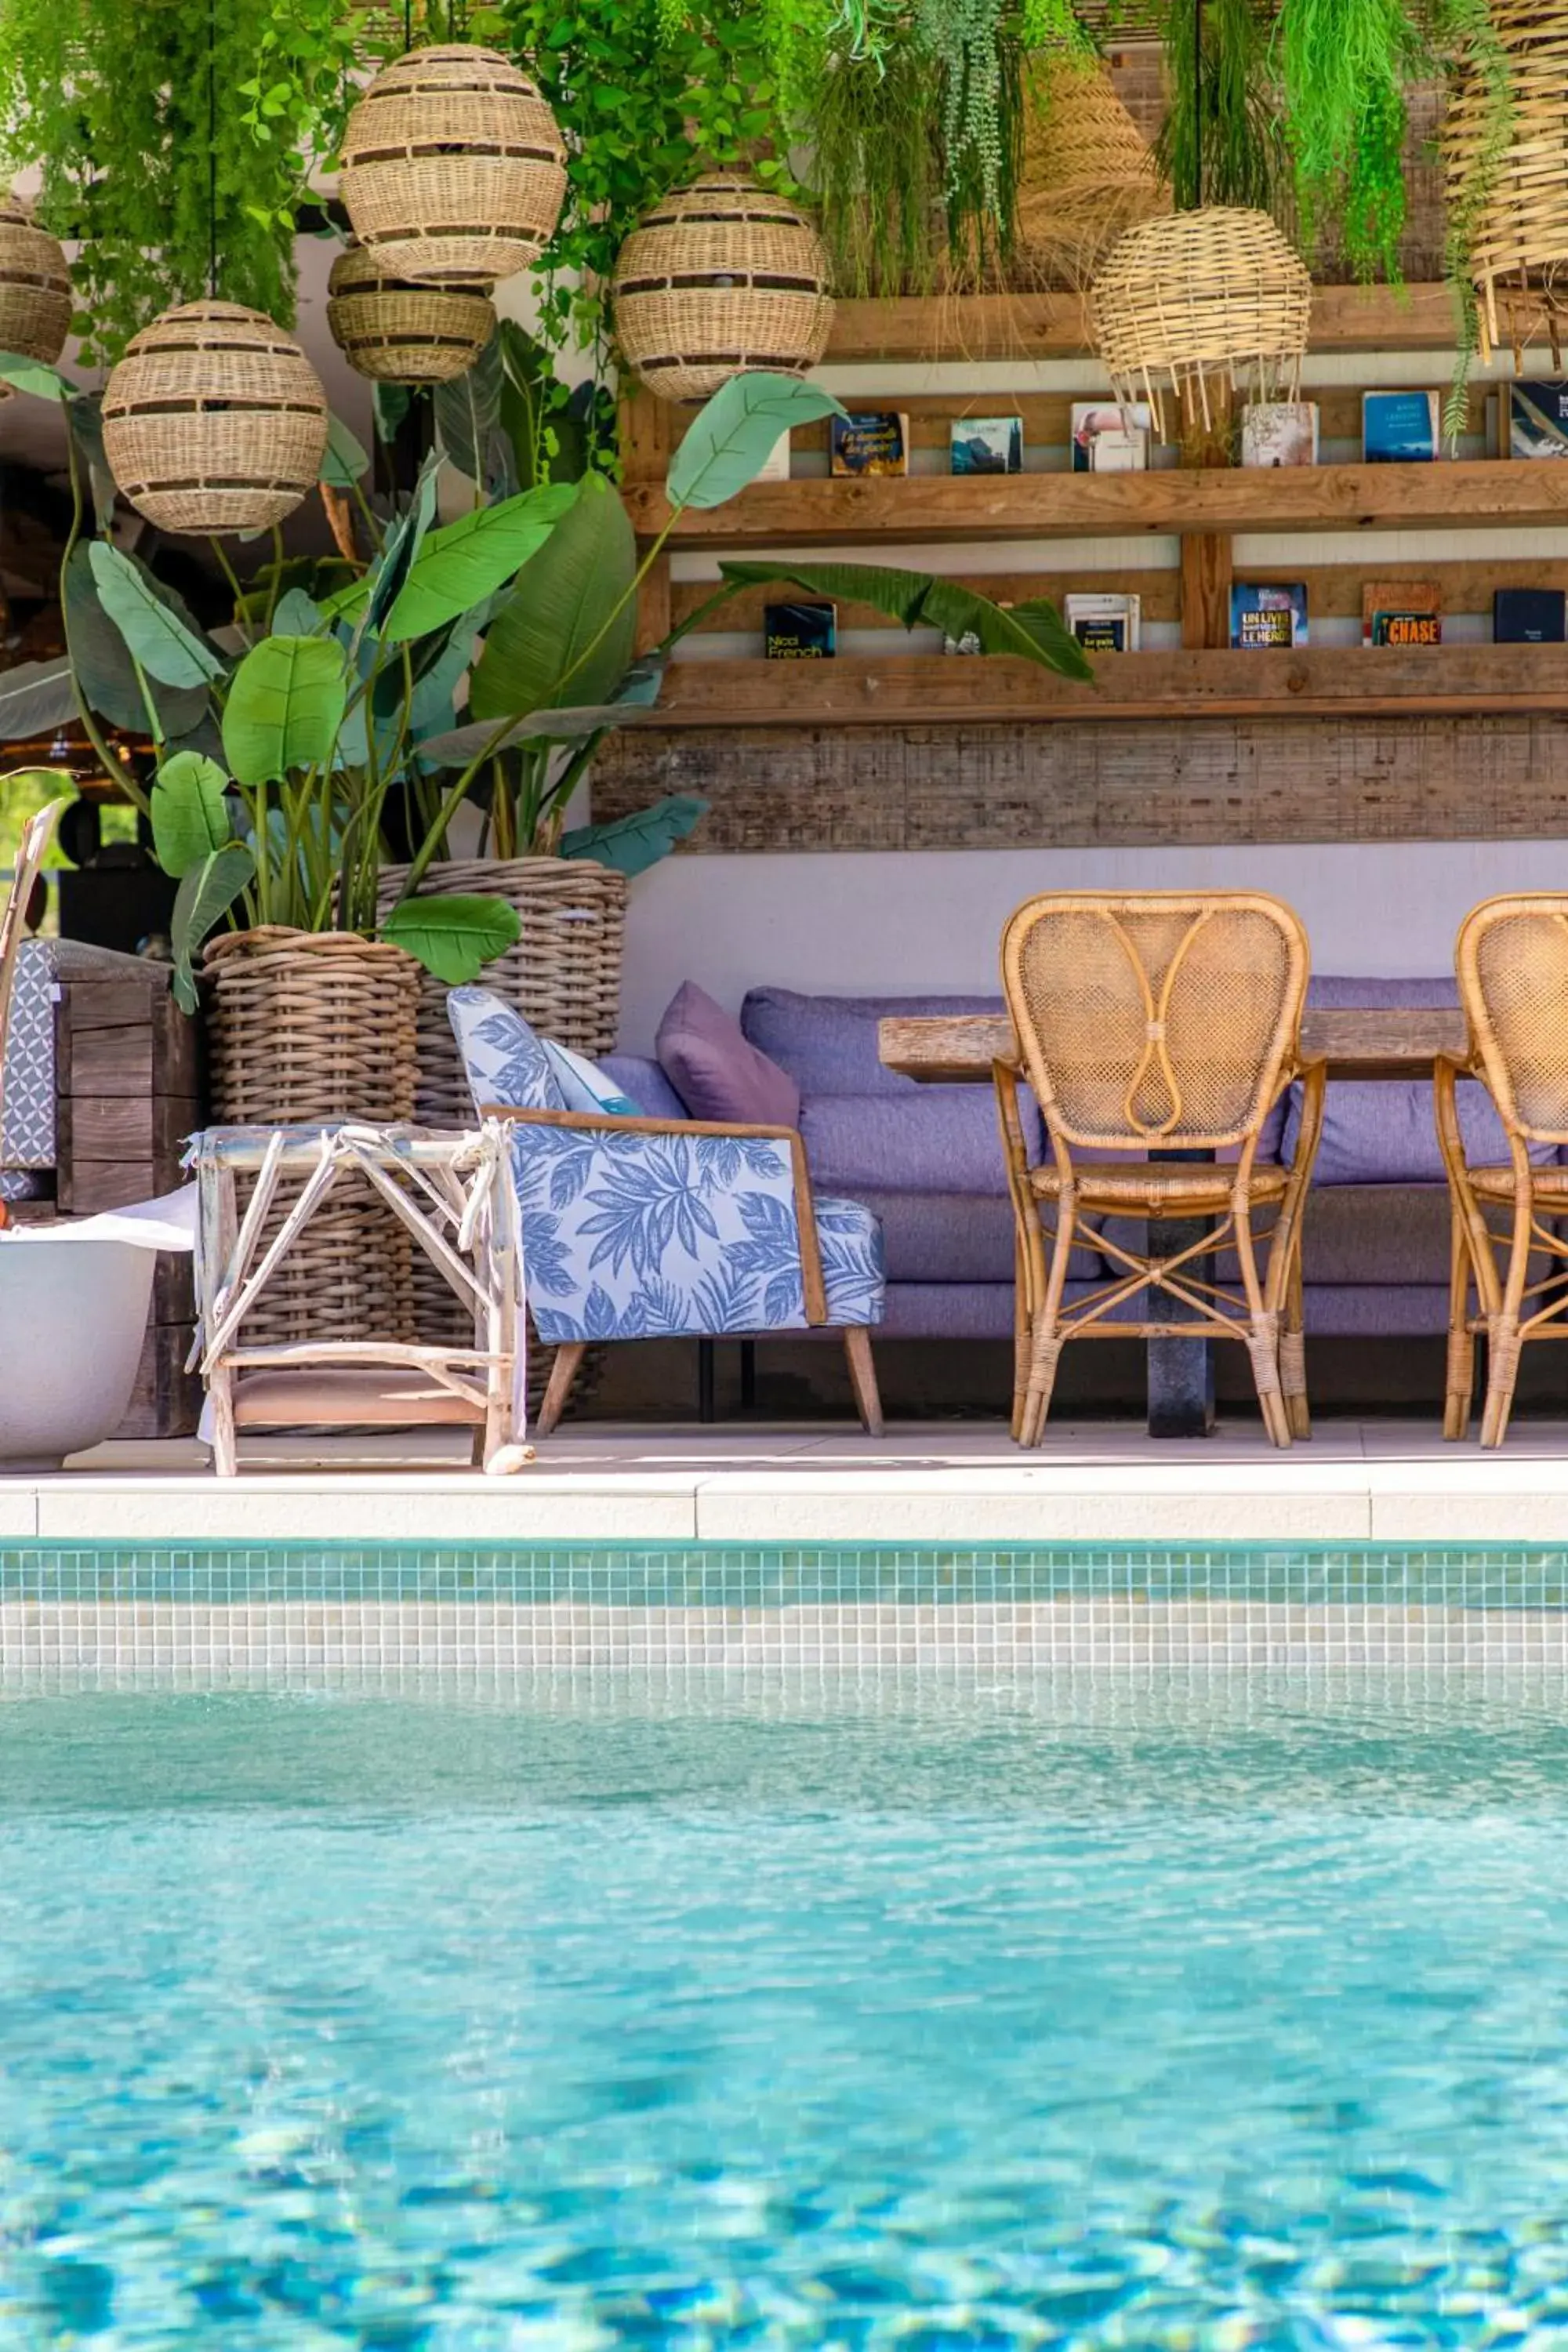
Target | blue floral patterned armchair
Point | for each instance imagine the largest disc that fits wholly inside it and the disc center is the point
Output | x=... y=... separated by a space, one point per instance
x=647 y=1228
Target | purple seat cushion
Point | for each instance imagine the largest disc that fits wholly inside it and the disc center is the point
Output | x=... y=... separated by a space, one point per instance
x=954 y=1237
x=644 y=1083
x=942 y=1140
x=716 y=1071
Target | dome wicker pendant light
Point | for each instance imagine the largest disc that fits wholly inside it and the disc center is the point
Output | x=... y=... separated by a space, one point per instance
x=35 y=287
x=1519 y=256
x=454 y=172
x=213 y=421
x=721 y=276
x=395 y=331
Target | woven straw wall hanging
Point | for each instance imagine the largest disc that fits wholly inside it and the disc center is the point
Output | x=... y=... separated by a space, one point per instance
x=213 y=421
x=454 y=172
x=1088 y=174
x=398 y=332
x=35 y=287
x=1519 y=253
x=1201 y=305
x=718 y=278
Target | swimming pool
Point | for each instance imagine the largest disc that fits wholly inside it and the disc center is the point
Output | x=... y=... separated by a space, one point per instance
x=1166 y=2008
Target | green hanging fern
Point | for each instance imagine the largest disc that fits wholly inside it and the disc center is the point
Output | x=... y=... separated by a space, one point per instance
x=1221 y=142
x=1343 y=67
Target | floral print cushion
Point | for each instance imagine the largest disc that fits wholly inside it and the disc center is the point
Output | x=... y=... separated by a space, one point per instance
x=504 y=1060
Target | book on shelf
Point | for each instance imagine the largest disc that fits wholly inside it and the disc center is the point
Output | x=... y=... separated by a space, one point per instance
x=1399 y=428
x=1538 y=419
x=800 y=632
x=1268 y=616
x=1104 y=623
x=1280 y=433
x=987 y=445
x=1529 y=616
x=868 y=441
x=775 y=465
x=1107 y=438
x=1401 y=612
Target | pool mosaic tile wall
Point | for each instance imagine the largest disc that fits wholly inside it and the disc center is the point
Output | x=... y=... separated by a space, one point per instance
x=283 y=1612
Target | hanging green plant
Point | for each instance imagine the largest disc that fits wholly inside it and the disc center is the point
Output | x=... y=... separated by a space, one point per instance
x=867 y=120
x=976 y=48
x=1344 y=67
x=1221 y=142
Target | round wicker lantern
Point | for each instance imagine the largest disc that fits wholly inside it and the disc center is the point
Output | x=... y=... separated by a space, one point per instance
x=721 y=276
x=35 y=287
x=1519 y=249
x=1199 y=304
x=1089 y=173
x=213 y=421
x=398 y=332
x=454 y=172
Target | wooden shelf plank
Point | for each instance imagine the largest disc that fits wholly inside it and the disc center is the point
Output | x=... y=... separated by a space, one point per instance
x=1465 y=493
x=923 y=690
x=1054 y=326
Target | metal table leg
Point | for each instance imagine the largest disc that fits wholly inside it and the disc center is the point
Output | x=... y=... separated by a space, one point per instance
x=1181 y=1372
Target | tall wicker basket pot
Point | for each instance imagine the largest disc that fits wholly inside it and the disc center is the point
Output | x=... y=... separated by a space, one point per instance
x=34 y=287
x=304 y=1026
x=454 y=172
x=214 y=420
x=721 y=276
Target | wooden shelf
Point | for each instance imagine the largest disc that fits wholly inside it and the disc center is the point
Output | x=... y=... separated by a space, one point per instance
x=1466 y=493
x=924 y=690
x=1054 y=326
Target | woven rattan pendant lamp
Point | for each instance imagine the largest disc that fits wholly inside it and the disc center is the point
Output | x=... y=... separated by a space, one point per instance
x=721 y=276
x=1089 y=173
x=395 y=331
x=1519 y=250
x=35 y=287
x=454 y=172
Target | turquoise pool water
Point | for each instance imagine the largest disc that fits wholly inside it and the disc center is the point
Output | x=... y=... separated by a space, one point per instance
x=1182 y=2015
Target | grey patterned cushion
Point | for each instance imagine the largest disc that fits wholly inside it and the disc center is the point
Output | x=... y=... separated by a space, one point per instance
x=27 y=1093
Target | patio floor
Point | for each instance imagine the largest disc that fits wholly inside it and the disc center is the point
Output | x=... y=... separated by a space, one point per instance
x=1379 y=1481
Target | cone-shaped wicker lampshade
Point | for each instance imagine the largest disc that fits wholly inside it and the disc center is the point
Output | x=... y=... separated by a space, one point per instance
x=35 y=287
x=1198 y=303
x=454 y=172
x=718 y=278
x=213 y=421
x=1519 y=250
x=397 y=331
x=1089 y=173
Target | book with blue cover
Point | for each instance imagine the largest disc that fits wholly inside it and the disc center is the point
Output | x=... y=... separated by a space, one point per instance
x=1268 y=616
x=869 y=441
x=1398 y=428
x=987 y=445
x=1538 y=419
x=800 y=632
x=1529 y=616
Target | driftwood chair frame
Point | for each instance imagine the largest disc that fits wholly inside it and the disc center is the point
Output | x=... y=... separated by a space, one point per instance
x=1166 y=1021
x=37 y=835
x=1511 y=960
x=455 y=1194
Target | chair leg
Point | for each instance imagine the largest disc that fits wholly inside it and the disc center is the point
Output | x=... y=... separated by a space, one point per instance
x=563 y=1372
x=1021 y=1335
x=1044 y=1358
x=1293 y=1356
x=1503 y=1350
x=1460 y=1387
x=863 y=1379
x=706 y=1408
x=225 y=1445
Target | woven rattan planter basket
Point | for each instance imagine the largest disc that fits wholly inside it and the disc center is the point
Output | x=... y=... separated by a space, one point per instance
x=303 y=1026
x=1518 y=252
x=1199 y=303
x=213 y=421
x=34 y=287
x=718 y=278
x=454 y=172
x=396 y=332
x=1088 y=174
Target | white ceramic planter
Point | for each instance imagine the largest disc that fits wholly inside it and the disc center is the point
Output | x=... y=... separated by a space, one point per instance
x=73 y=1312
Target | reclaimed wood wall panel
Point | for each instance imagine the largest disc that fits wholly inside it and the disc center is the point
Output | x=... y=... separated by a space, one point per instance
x=1074 y=785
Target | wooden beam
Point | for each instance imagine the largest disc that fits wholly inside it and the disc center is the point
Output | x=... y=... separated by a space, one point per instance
x=915 y=689
x=1054 y=326
x=1206 y=589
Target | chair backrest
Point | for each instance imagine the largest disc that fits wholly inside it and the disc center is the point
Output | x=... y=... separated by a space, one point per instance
x=503 y=1059
x=37 y=835
x=1511 y=960
x=1155 y=1017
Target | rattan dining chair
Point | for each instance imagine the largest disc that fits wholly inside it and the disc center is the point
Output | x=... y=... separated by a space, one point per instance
x=1512 y=957
x=1158 y=1023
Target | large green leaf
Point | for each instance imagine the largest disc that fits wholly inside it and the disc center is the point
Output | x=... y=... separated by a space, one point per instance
x=733 y=436
x=630 y=845
x=285 y=706
x=157 y=637
x=191 y=816
x=104 y=665
x=467 y=560
x=454 y=936
x=84 y=420
x=564 y=602
x=297 y=614
x=205 y=896
x=467 y=410
x=36 y=699
x=367 y=602
x=1033 y=631
x=32 y=375
x=343 y=462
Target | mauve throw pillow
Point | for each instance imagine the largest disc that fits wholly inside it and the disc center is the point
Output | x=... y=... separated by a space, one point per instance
x=715 y=1071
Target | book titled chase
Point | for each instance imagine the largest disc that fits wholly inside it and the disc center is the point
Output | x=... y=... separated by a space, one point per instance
x=800 y=632
x=987 y=445
x=1265 y=617
x=1538 y=420
x=1401 y=612
x=869 y=441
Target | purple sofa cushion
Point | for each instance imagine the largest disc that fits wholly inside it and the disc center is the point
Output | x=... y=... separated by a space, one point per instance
x=646 y=1083
x=956 y=1237
x=716 y=1071
x=1376 y=1133
x=1332 y=991
x=943 y=1140
x=828 y=1043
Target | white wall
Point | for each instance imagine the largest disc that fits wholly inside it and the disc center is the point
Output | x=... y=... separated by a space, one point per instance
x=907 y=922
